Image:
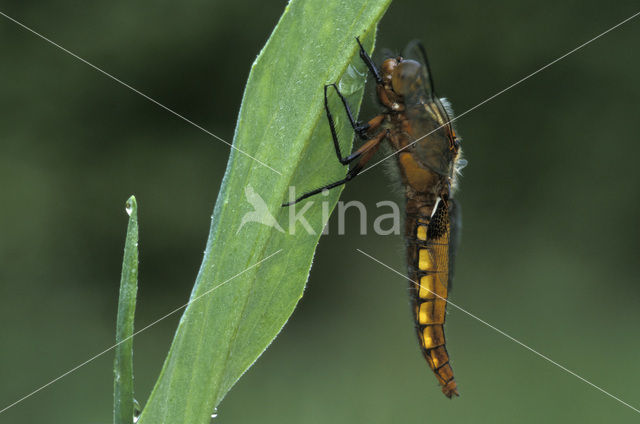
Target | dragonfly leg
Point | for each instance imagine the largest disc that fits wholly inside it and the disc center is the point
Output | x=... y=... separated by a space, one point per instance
x=361 y=129
x=365 y=152
x=367 y=60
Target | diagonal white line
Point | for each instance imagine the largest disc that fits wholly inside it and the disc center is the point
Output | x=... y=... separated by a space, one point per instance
x=503 y=333
x=136 y=91
x=505 y=89
x=134 y=334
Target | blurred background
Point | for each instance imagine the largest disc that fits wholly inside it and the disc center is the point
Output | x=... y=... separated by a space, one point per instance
x=550 y=201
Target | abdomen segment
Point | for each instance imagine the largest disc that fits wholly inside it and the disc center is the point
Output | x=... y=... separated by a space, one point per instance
x=428 y=256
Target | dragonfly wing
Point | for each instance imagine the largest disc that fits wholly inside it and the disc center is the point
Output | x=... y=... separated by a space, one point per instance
x=430 y=123
x=415 y=51
x=455 y=224
x=438 y=245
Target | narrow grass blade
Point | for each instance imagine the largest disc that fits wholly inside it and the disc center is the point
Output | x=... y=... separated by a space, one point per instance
x=123 y=403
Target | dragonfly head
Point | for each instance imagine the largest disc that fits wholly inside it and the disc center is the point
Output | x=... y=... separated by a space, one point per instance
x=407 y=77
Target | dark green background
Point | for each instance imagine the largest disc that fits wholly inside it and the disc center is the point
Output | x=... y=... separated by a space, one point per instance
x=550 y=200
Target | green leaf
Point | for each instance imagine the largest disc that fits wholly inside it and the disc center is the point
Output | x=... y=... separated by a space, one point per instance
x=123 y=409
x=253 y=274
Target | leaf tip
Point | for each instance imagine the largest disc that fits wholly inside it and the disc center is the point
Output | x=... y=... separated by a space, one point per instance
x=131 y=206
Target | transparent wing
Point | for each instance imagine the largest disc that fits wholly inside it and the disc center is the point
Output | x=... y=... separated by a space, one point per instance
x=455 y=225
x=430 y=122
x=439 y=246
x=416 y=51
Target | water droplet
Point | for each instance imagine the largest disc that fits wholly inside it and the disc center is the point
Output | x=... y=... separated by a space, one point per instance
x=351 y=81
x=214 y=415
x=129 y=208
x=137 y=410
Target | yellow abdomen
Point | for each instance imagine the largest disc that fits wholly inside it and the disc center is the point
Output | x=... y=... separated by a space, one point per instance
x=429 y=264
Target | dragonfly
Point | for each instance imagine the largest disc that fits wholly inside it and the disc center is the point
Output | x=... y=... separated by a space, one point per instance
x=416 y=124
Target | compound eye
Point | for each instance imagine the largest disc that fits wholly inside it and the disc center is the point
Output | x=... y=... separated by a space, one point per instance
x=406 y=77
x=388 y=67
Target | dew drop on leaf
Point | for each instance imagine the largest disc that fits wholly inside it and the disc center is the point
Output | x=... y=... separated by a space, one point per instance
x=137 y=410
